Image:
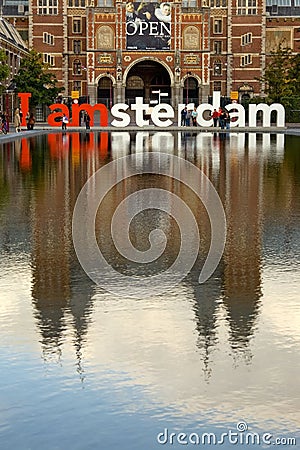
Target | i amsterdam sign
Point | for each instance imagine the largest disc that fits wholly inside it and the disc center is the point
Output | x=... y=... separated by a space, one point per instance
x=162 y=115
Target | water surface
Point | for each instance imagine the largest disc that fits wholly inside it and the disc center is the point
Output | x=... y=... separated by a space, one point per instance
x=85 y=369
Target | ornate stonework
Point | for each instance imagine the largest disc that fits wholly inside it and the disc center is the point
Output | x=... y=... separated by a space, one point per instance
x=105 y=37
x=191 y=38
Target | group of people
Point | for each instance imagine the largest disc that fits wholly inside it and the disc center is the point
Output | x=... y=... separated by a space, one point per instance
x=189 y=117
x=18 y=117
x=86 y=120
x=221 y=118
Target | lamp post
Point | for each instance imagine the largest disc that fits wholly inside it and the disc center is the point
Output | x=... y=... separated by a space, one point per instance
x=187 y=87
x=7 y=109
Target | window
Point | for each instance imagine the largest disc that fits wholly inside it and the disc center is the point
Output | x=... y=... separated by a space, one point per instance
x=48 y=38
x=77 y=46
x=246 y=7
x=217 y=68
x=218 y=3
x=76 y=25
x=246 y=39
x=76 y=3
x=218 y=26
x=48 y=59
x=47 y=7
x=105 y=3
x=217 y=86
x=297 y=2
x=77 y=86
x=189 y=3
x=246 y=60
x=218 y=47
x=77 y=67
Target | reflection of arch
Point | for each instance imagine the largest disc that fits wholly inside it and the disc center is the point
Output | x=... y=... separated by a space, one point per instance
x=191 y=38
x=105 y=37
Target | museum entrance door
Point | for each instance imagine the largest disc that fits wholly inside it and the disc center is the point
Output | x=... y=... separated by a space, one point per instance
x=150 y=80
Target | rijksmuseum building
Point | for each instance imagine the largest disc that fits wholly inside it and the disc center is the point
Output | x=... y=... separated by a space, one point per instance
x=111 y=51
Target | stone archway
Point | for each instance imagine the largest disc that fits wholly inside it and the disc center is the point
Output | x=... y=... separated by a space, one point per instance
x=149 y=79
x=191 y=89
x=105 y=91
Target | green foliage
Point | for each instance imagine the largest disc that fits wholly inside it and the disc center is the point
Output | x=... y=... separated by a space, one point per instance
x=33 y=77
x=4 y=69
x=282 y=76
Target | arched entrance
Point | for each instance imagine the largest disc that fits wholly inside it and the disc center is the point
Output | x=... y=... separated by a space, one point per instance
x=190 y=91
x=150 y=80
x=105 y=91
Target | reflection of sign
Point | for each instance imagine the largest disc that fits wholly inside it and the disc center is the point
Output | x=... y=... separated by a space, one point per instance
x=191 y=59
x=148 y=26
x=105 y=59
x=234 y=95
x=74 y=94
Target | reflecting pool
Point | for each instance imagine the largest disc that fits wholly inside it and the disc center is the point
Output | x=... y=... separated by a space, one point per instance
x=82 y=368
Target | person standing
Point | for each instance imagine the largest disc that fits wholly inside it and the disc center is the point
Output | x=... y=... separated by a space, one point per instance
x=194 y=116
x=27 y=120
x=227 y=120
x=65 y=121
x=31 y=121
x=188 y=118
x=222 y=119
x=17 y=120
x=215 y=117
x=87 y=122
x=183 y=116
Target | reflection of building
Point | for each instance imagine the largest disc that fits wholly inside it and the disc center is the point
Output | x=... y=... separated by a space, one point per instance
x=242 y=256
x=216 y=45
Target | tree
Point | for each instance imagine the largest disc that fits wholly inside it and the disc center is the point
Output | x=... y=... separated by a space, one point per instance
x=4 y=69
x=34 y=77
x=294 y=73
x=277 y=76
